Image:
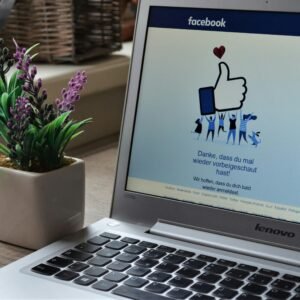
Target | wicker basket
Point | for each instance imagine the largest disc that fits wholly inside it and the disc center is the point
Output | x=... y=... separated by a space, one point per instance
x=67 y=30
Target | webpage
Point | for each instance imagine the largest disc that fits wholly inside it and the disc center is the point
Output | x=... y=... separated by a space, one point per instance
x=218 y=111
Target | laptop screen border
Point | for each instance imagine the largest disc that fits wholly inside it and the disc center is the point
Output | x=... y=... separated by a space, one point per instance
x=145 y=209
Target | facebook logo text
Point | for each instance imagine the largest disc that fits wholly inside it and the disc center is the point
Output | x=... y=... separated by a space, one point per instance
x=206 y=22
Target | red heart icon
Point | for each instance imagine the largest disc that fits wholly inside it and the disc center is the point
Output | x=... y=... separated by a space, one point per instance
x=219 y=52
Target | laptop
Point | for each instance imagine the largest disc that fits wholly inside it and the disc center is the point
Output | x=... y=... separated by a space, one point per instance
x=206 y=198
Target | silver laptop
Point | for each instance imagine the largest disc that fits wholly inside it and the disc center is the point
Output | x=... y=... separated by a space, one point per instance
x=206 y=201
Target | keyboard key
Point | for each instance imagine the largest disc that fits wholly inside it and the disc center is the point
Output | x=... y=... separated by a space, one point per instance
x=127 y=257
x=156 y=287
x=99 y=261
x=147 y=244
x=268 y=272
x=209 y=277
x=188 y=272
x=133 y=293
x=247 y=268
x=135 y=249
x=155 y=254
x=138 y=271
x=283 y=284
x=115 y=276
x=165 y=249
x=98 y=240
x=110 y=235
x=95 y=271
x=225 y=293
x=278 y=294
x=78 y=267
x=227 y=263
x=136 y=282
x=116 y=245
x=201 y=297
x=166 y=267
x=89 y=248
x=159 y=276
x=194 y=263
x=231 y=283
x=180 y=281
x=217 y=269
x=291 y=277
x=45 y=270
x=59 y=262
x=85 y=280
x=66 y=275
x=146 y=262
x=202 y=287
x=118 y=266
x=108 y=252
x=239 y=274
x=260 y=279
x=178 y=293
x=245 y=296
x=206 y=258
x=254 y=288
x=104 y=285
x=129 y=240
x=185 y=253
x=174 y=259
x=76 y=255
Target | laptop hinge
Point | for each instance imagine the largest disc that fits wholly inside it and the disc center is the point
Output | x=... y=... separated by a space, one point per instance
x=200 y=237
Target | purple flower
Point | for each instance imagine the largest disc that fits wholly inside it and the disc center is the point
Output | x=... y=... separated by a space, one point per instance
x=28 y=75
x=70 y=95
x=22 y=109
x=20 y=116
x=22 y=60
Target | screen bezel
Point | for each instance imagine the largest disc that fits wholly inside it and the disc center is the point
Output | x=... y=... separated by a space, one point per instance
x=145 y=209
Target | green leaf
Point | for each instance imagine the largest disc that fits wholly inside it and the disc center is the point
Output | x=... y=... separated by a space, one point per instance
x=61 y=136
x=4 y=150
x=2 y=115
x=4 y=105
x=28 y=145
x=71 y=132
x=31 y=48
x=12 y=92
x=13 y=81
x=4 y=131
x=34 y=56
x=2 y=87
x=55 y=126
x=76 y=135
x=47 y=133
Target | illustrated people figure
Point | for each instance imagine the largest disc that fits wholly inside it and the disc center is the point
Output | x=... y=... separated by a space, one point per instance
x=221 y=123
x=244 y=119
x=232 y=128
x=211 y=127
x=254 y=138
x=198 y=129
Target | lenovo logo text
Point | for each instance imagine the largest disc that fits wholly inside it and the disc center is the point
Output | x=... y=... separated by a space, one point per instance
x=271 y=230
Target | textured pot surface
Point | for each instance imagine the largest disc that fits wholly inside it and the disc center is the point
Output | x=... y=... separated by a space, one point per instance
x=38 y=208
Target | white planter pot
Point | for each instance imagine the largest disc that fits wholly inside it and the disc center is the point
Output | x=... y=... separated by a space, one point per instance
x=38 y=208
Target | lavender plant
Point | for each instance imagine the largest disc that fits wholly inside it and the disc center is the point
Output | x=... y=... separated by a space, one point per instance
x=34 y=133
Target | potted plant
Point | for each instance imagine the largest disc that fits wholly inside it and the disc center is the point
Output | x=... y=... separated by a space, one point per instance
x=41 y=189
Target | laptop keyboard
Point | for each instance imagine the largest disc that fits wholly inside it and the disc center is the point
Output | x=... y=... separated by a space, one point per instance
x=144 y=270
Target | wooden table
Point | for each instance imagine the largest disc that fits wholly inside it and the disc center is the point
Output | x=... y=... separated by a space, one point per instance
x=100 y=171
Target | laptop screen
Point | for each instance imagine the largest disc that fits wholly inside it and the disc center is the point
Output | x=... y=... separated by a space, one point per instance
x=217 y=119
